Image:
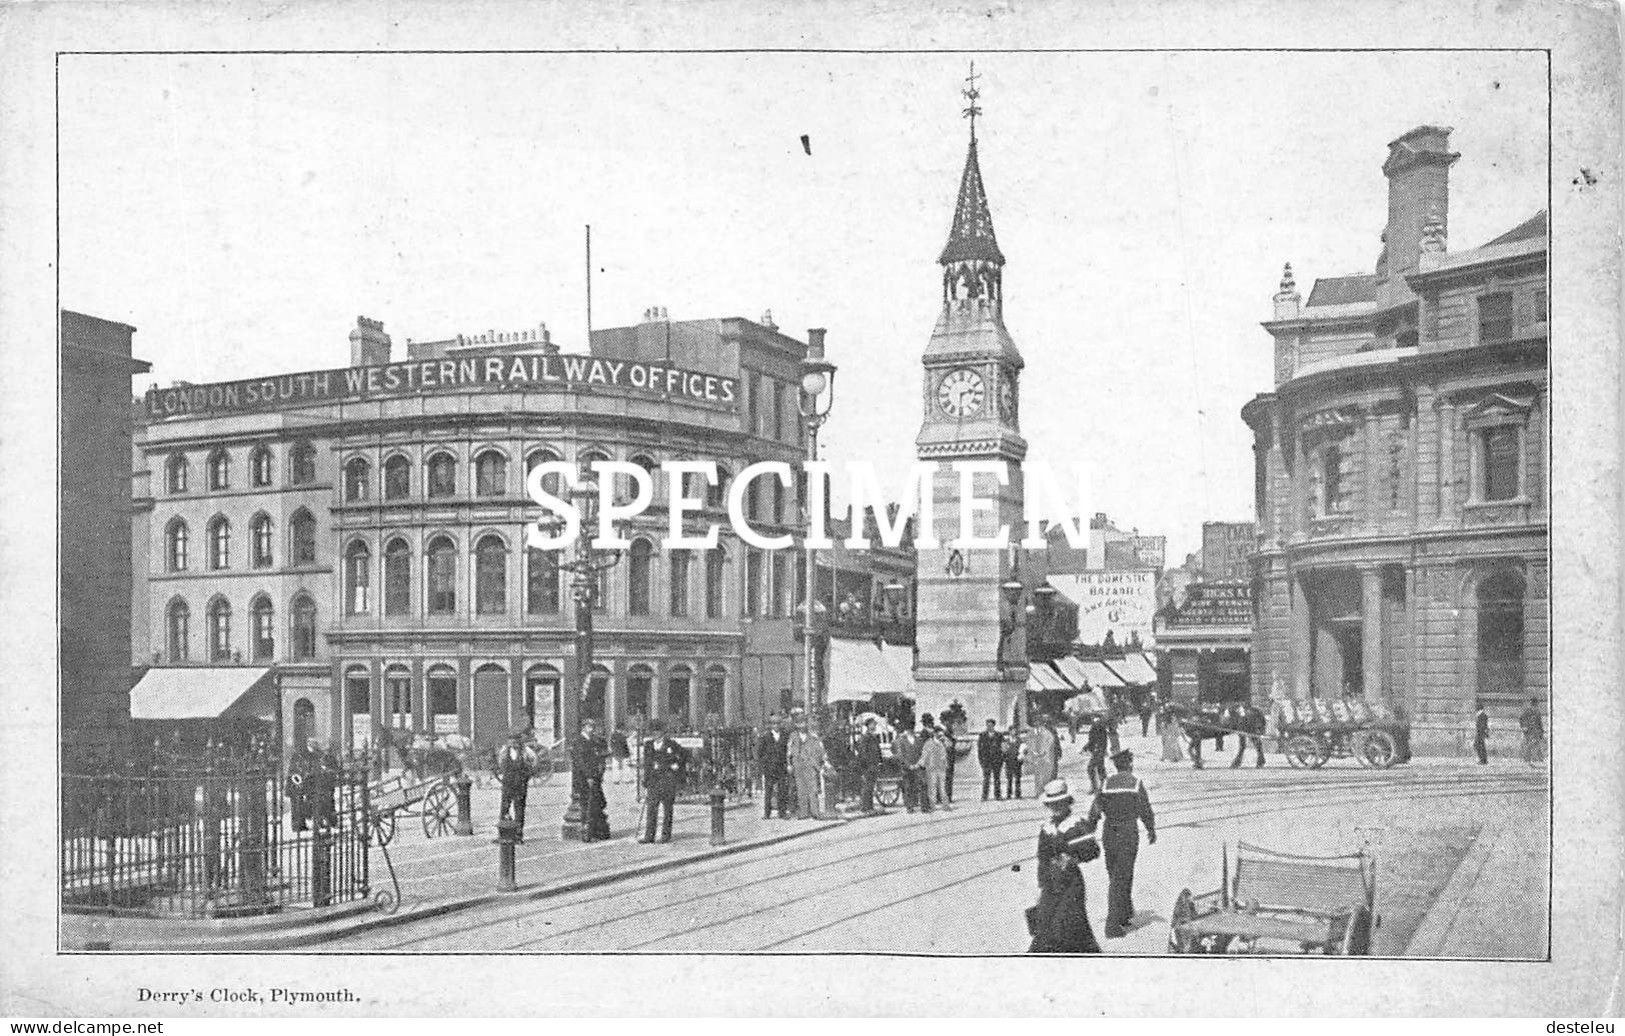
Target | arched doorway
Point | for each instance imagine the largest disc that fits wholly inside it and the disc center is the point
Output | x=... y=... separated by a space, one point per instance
x=679 y=705
x=490 y=705
x=304 y=723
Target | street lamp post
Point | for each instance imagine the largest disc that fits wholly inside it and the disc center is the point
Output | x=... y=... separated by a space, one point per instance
x=584 y=567
x=817 y=395
x=1037 y=606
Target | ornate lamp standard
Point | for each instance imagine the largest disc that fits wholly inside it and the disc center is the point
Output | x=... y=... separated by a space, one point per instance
x=817 y=396
x=1037 y=606
x=585 y=568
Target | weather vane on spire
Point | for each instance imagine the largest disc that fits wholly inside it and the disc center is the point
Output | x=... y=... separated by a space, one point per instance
x=971 y=94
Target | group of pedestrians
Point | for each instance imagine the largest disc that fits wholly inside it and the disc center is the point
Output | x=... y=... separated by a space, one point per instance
x=1006 y=756
x=793 y=760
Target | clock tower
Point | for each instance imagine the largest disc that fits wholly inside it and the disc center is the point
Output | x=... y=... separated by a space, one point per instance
x=969 y=641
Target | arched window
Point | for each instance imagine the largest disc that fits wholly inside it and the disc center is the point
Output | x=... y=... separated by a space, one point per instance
x=397 y=578
x=397 y=478
x=715 y=560
x=1501 y=639
x=356 y=476
x=180 y=617
x=586 y=460
x=302 y=464
x=640 y=681
x=679 y=707
x=303 y=625
x=638 y=577
x=550 y=483
x=628 y=491
x=679 y=583
x=220 y=543
x=259 y=530
x=442 y=475
x=175 y=473
x=442 y=684
x=175 y=545
x=219 y=630
x=357 y=578
x=490 y=474
x=716 y=695
x=259 y=467
x=263 y=645
x=542 y=582
x=716 y=495
x=358 y=705
x=442 y=576
x=491 y=576
x=398 y=696
x=302 y=537
x=220 y=470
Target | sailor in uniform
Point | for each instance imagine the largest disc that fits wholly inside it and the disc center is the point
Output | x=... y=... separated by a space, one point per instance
x=1124 y=805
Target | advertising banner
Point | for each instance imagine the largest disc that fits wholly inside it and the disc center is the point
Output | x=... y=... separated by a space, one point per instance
x=1122 y=602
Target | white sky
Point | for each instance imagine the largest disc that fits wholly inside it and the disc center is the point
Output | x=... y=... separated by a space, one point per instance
x=240 y=211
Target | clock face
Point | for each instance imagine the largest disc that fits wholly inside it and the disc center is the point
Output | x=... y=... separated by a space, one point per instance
x=1007 y=397
x=961 y=392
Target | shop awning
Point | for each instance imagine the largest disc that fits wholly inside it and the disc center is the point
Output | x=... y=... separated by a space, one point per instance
x=1072 y=669
x=204 y=692
x=1041 y=677
x=1098 y=675
x=900 y=657
x=858 y=670
x=1133 y=669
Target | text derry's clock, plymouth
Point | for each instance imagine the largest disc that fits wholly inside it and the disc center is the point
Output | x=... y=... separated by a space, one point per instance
x=961 y=393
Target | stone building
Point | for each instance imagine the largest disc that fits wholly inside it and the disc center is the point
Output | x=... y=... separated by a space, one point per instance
x=94 y=549
x=361 y=530
x=1401 y=485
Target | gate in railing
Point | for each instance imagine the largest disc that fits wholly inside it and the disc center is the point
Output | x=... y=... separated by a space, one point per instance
x=217 y=840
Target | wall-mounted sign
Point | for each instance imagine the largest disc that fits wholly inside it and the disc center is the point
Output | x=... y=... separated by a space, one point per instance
x=512 y=373
x=1122 y=602
x=1214 y=604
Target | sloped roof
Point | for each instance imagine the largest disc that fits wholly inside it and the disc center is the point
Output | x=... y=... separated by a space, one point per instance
x=1341 y=291
x=971 y=236
x=1534 y=226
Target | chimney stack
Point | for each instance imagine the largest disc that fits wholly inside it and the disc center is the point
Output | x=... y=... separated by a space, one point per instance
x=369 y=346
x=1418 y=172
x=815 y=343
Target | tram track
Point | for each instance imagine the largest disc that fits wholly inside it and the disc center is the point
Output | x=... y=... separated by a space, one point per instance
x=922 y=835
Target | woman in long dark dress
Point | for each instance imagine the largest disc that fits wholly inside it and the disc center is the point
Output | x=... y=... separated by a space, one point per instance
x=1060 y=921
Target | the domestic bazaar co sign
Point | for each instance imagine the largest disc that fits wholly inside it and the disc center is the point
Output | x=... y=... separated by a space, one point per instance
x=535 y=373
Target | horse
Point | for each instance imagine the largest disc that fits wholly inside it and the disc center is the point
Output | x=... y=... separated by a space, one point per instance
x=423 y=756
x=1212 y=719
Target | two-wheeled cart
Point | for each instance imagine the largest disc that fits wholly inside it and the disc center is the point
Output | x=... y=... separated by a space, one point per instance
x=1315 y=731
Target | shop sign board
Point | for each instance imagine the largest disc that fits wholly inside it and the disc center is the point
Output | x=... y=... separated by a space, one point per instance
x=1121 y=602
x=1214 y=604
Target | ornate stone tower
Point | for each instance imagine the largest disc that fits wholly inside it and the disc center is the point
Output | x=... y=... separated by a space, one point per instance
x=970 y=644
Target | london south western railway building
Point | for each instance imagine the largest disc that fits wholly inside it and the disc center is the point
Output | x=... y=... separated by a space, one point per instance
x=360 y=531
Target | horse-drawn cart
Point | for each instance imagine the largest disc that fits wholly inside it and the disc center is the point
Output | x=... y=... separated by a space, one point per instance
x=1311 y=732
x=1279 y=903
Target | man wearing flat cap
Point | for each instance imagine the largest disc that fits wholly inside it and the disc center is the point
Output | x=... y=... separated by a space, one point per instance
x=1124 y=804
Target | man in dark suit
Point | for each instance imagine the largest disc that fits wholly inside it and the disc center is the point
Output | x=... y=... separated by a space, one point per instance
x=770 y=756
x=869 y=762
x=1481 y=735
x=905 y=748
x=664 y=761
x=587 y=756
x=515 y=763
x=1097 y=744
x=990 y=753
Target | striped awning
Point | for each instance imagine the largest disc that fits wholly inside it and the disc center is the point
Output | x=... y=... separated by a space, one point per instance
x=1099 y=676
x=1133 y=669
x=1041 y=677
x=1072 y=669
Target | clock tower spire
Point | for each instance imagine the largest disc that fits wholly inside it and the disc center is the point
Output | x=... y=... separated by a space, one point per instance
x=969 y=640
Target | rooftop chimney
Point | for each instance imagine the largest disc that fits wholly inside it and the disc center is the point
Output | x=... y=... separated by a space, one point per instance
x=1418 y=172
x=815 y=343
x=369 y=346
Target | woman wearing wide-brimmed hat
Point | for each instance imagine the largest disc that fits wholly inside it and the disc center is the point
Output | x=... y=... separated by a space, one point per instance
x=1060 y=921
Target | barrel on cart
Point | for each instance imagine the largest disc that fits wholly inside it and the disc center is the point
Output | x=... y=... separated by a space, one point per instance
x=1312 y=732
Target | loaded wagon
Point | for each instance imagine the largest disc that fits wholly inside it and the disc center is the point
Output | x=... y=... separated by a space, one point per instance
x=1281 y=903
x=1311 y=732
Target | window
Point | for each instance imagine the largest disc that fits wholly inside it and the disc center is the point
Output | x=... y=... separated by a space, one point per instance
x=302 y=537
x=180 y=617
x=397 y=578
x=491 y=576
x=638 y=575
x=442 y=683
x=629 y=490
x=219 y=630
x=778 y=502
x=753 y=404
x=714 y=562
x=357 y=578
x=262 y=618
x=585 y=462
x=542 y=582
x=175 y=473
x=1500 y=639
x=1537 y=304
x=398 y=687
x=259 y=467
x=777 y=397
x=1501 y=448
x=716 y=496
x=551 y=482
x=716 y=694
x=679 y=584
x=397 y=478
x=640 y=681
x=304 y=627
x=302 y=464
x=1495 y=317
x=677 y=700
x=259 y=534
x=175 y=545
x=753 y=583
x=219 y=470
x=442 y=475
x=776 y=595
x=491 y=474
x=219 y=543
x=442 y=574
x=1331 y=499
x=356 y=477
